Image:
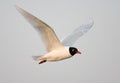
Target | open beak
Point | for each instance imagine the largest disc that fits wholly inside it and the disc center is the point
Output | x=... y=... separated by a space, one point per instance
x=78 y=52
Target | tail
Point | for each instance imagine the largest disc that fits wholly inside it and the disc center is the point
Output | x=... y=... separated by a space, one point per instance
x=36 y=58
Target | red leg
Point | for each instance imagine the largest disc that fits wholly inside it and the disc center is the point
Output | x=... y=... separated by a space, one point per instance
x=43 y=61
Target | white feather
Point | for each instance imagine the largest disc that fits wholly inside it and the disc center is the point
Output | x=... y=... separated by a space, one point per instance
x=78 y=32
x=47 y=33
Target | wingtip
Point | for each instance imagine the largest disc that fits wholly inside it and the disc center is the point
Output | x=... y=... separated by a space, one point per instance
x=91 y=21
x=20 y=10
x=17 y=7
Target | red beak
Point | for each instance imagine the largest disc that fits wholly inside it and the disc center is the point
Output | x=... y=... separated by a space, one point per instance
x=78 y=52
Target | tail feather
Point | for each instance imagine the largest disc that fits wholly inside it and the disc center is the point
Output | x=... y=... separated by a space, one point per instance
x=36 y=58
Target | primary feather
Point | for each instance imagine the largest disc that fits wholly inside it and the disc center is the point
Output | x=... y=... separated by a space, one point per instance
x=48 y=35
x=74 y=36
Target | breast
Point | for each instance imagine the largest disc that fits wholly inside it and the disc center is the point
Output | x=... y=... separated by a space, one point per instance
x=58 y=54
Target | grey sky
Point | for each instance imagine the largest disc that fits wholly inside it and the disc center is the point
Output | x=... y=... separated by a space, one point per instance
x=100 y=59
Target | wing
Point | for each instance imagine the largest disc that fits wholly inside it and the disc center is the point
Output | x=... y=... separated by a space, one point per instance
x=72 y=38
x=47 y=33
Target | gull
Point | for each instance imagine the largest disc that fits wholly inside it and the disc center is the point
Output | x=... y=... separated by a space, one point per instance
x=56 y=50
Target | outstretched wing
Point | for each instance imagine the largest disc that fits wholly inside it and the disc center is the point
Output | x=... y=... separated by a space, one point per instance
x=47 y=33
x=72 y=38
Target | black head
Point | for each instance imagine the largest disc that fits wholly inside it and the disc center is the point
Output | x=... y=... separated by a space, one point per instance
x=73 y=51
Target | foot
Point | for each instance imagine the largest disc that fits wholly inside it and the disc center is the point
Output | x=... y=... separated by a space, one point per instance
x=43 y=61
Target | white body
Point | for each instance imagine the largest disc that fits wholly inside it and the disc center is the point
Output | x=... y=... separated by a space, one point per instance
x=56 y=55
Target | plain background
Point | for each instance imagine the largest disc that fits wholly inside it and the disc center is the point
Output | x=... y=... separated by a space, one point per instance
x=100 y=59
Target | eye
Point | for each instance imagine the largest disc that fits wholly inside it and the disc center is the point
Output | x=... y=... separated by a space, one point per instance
x=73 y=50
